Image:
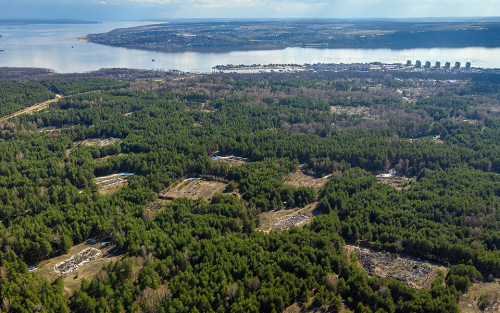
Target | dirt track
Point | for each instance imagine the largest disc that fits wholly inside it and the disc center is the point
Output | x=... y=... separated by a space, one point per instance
x=39 y=106
x=31 y=109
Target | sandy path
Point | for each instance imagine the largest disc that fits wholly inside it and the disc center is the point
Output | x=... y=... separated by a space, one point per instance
x=31 y=109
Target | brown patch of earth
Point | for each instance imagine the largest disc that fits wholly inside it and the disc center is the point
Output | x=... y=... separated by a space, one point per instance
x=398 y=182
x=232 y=161
x=413 y=272
x=88 y=270
x=299 y=179
x=194 y=189
x=268 y=219
x=108 y=185
x=109 y=190
x=469 y=303
x=98 y=142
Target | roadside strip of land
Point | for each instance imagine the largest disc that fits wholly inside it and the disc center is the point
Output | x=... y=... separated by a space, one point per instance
x=31 y=109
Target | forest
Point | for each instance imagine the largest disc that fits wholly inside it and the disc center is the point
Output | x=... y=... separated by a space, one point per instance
x=192 y=255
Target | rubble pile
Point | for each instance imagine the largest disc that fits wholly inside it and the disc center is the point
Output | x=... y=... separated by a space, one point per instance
x=411 y=272
x=296 y=220
x=77 y=260
x=109 y=182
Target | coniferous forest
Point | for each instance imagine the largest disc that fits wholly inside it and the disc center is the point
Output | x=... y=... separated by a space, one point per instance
x=441 y=132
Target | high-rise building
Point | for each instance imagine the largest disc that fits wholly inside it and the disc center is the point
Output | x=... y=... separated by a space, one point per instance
x=427 y=64
x=447 y=65
x=467 y=65
x=408 y=63
x=457 y=65
x=437 y=65
x=418 y=64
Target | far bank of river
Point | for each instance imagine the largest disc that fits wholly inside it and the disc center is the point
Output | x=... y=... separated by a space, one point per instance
x=57 y=47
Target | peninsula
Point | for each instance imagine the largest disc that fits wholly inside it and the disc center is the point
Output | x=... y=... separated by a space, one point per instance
x=260 y=35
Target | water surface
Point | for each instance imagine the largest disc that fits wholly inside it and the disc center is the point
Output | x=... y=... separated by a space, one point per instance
x=57 y=47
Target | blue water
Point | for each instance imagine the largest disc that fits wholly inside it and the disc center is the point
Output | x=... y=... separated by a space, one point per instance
x=50 y=46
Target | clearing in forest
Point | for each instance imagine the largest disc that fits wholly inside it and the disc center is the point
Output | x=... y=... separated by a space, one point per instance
x=98 y=142
x=299 y=179
x=231 y=160
x=398 y=182
x=293 y=220
x=413 y=272
x=391 y=178
x=112 y=183
x=481 y=297
x=276 y=219
x=86 y=270
x=194 y=189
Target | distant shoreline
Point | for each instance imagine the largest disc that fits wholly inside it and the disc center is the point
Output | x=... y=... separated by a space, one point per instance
x=270 y=35
x=19 y=22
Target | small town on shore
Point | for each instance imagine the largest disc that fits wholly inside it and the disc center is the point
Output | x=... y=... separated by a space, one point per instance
x=409 y=66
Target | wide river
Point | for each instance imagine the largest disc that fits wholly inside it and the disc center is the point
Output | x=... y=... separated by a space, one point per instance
x=57 y=47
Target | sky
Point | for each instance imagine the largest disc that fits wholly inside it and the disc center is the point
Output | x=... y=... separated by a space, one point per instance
x=101 y=10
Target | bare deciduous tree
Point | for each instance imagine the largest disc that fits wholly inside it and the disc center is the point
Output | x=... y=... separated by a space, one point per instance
x=254 y=283
x=232 y=291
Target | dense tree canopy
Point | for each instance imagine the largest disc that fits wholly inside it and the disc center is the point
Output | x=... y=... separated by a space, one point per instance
x=208 y=256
